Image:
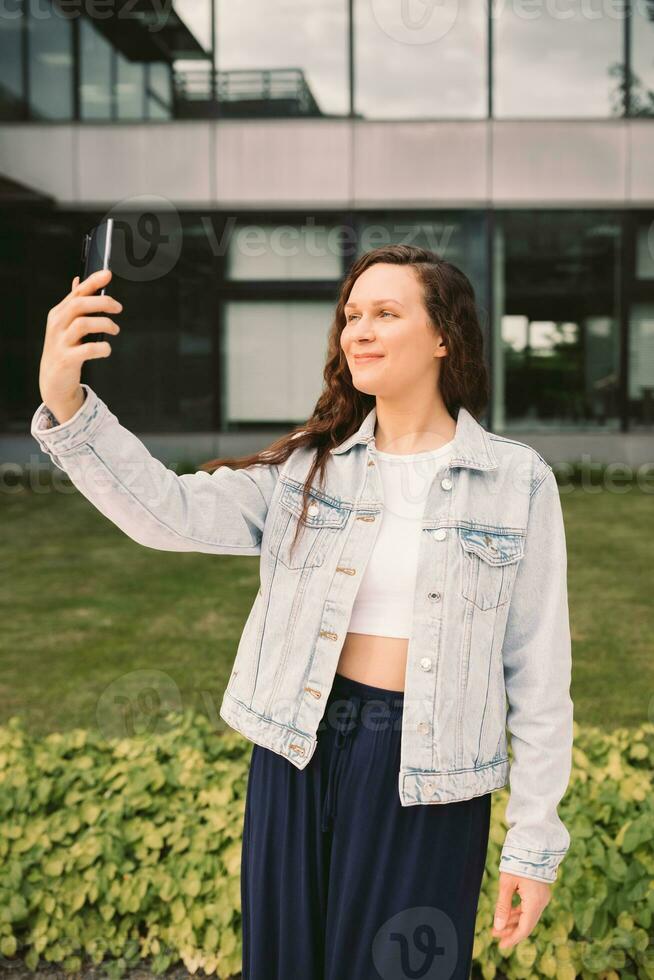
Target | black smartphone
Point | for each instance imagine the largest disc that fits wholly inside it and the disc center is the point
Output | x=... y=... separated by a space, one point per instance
x=96 y=255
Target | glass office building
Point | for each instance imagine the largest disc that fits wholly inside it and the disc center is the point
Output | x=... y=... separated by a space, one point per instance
x=230 y=334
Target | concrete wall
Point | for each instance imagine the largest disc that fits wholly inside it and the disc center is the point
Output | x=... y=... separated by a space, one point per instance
x=313 y=163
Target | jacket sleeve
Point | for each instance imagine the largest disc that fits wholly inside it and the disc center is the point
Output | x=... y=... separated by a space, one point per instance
x=537 y=672
x=216 y=513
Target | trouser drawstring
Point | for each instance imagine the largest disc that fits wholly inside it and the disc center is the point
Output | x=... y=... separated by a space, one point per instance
x=345 y=727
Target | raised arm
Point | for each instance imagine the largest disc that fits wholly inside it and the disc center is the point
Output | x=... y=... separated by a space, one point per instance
x=219 y=513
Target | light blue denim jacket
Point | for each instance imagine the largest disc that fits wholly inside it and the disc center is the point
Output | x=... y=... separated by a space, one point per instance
x=490 y=614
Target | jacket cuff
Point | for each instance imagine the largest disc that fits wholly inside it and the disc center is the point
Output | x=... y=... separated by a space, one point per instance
x=540 y=865
x=65 y=437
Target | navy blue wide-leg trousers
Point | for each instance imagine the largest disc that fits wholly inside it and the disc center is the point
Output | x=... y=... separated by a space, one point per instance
x=339 y=881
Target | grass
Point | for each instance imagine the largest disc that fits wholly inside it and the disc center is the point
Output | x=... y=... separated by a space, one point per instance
x=85 y=609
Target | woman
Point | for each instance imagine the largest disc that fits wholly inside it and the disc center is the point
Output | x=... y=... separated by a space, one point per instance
x=340 y=879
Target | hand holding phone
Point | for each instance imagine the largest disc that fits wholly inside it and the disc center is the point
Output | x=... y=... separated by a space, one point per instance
x=63 y=351
x=96 y=256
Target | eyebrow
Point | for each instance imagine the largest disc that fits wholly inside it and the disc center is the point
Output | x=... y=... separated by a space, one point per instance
x=377 y=302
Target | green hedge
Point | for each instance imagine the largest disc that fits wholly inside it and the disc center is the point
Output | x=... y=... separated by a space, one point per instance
x=127 y=850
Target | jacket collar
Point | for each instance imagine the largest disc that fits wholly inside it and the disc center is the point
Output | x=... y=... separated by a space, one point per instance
x=471 y=445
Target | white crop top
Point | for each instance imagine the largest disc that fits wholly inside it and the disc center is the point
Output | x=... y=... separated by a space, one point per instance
x=384 y=602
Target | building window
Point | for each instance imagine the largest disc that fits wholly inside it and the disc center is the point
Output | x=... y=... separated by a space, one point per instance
x=641 y=328
x=277 y=59
x=642 y=63
x=556 y=341
x=130 y=88
x=421 y=61
x=50 y=46
x=159 y=90
x=95 y=73
x=266 y=251
x=12 y=95
x=558 y=60
x=274 y=355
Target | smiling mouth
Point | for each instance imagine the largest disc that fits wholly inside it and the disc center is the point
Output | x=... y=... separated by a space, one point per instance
x=367 y=357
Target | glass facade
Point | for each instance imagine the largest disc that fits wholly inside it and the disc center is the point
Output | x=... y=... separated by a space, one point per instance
x=50 y=47
x=274 y=354
x=96 y=74
x=641 y=326
x=642 y=63
x=368 y=59
x=221 y=340
x=283 y=56
x=556 y=346
x=420 y=61
x=558 y=60
x=12 y=82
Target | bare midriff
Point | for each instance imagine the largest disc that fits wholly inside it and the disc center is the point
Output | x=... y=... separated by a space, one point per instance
x=376 y=660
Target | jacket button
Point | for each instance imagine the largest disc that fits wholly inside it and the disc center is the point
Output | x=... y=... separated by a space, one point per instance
x=429 y=785
x=424 y=727
x=313 y=508
x=446 y=483
x=434 y=595
x=440 y=533
x=425 y=663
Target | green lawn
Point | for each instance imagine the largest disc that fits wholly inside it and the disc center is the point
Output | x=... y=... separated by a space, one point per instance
x=84 y=607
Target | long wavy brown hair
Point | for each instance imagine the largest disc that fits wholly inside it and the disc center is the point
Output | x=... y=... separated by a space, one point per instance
x=463 y=380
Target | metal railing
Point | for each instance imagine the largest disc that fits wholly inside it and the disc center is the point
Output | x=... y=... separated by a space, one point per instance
x=264 y=91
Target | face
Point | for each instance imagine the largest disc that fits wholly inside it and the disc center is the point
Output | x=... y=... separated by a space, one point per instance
x=386 y=317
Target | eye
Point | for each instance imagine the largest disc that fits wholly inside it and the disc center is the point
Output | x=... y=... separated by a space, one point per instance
x=387 y=311
x=350 y=318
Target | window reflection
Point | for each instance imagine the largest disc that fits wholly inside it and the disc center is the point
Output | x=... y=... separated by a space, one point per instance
x=305 y=46
x=642 y=63
x=420 y=60
x=50 y=46
x=557 y=60
x=274 y=358
x=130 y=88
x=556 y=344
x=95 y=73
x=262 y=250
x=641 y=327
x=11 y=64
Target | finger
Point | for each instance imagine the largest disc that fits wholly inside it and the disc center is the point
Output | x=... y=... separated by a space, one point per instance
x=93 y=282
x=83 y=305
x=521 y=931
x=514 y=916
x=82 y=325
x=95 y=348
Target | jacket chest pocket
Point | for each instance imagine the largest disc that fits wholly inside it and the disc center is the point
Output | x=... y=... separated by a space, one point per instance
x=318 y=529
x=489 y=565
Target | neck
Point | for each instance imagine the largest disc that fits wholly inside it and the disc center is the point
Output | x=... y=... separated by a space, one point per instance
x=407 y=427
